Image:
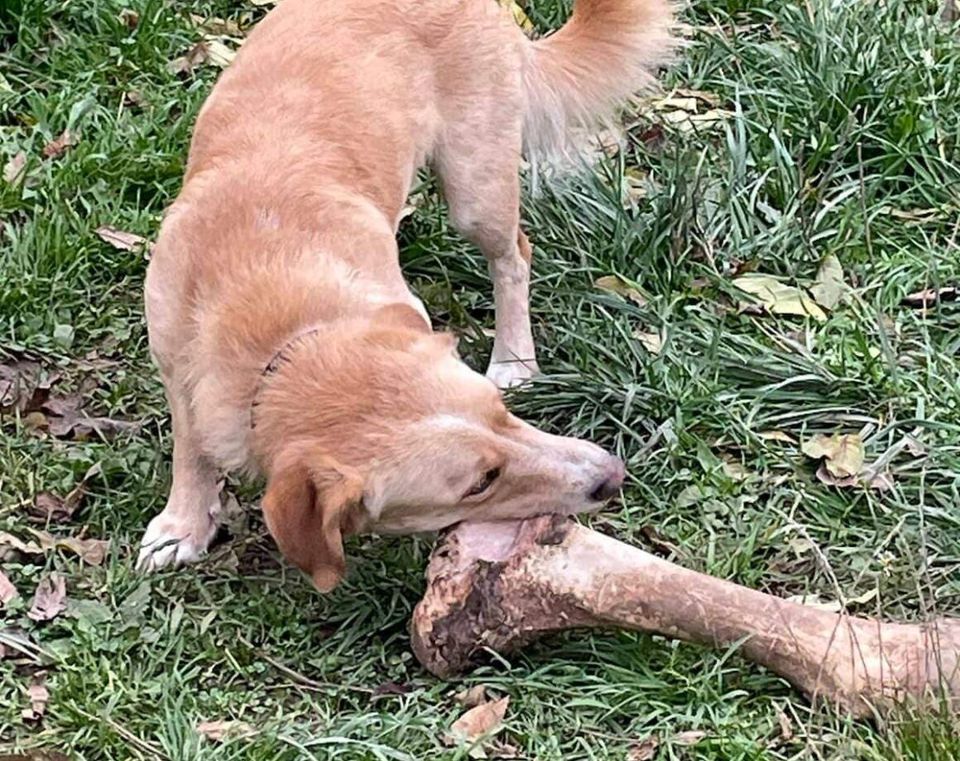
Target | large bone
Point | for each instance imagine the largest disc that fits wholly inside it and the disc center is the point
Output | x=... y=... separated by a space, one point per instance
x=502 y=585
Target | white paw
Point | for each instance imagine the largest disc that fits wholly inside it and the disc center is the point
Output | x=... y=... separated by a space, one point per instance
x=170 y=541
x=512 y=373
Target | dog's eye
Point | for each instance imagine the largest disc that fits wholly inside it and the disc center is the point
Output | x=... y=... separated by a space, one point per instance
x=484 y=483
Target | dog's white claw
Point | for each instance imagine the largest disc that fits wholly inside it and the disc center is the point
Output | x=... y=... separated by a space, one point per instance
x=511 y=374
x=169 y=542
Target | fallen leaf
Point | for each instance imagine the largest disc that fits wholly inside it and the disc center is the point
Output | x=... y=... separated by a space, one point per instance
x=119 y=239
x=842 y=453
x=779 y=298
x=219 y=53
x=786 y=726
x=828 y=288
x=519 y=17
x=60 y=144
x=735 y=471
x=38 y=696
x=813 y=601
x=185 y=64
x=712 y=100
x=217 y=26
x=92 y=551
x=690 y=737
x=477 y=723
x=218 y=731
x=25 y=385
x=13 y=170
x=10 y=542
x=927 y=298
x=919 y=216
x=621 y=287
x=472 y=696
x=50 y=598
x=824 y=476
x=133 y=98
x=65 y=419
x=781 y=436
x=661 y=544
x=652 y=342
x=645 y=750
x=7 y=591
x=129 y=18
x=55 y=509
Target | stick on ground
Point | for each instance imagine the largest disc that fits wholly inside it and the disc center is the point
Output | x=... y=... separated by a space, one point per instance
x=502 y=585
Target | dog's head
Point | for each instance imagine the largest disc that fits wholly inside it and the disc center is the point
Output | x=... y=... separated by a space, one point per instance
x=390 y=431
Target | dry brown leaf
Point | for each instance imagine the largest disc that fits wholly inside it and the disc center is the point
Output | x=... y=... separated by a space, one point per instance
x=129 y=18
x=14 y=169
x=777 y=297
x=25 y=385
x=92 y=551
x=65 y=419
x=218 y=731
x=479 y=722
x=842 y=454
x=786 y=726
x=217 y=26
x=927 y=298
x=10 y=542
x=619 y=286
x=471 y=697
x=60 y=144
x=55 y=509
x=782 y=436
x=219 y=53
x=185 y=64
x=119 y=239
x=645 y=750
x=7 y=590
x=652 y=342
x=50 y=598
x=690 y=737
x=38 y=696
x=829 y=286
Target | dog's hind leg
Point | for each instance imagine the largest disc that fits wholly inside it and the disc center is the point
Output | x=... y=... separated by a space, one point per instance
x=483 y=192
x=181 y=532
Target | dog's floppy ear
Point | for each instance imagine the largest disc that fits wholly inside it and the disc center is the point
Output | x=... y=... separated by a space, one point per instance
x=310 y=503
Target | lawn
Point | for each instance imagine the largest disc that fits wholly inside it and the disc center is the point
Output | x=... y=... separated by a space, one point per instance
x=789 y=134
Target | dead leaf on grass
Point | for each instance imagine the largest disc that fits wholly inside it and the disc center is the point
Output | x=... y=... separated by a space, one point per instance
x=781 y=436
x=690 y=737
x=479 y=722
x=119 y=239
x=652 y=342
x=14 y=169
x=219 y=731
x=842 y=454
x=645 y=750
x=38 y=695
x=50 y=598
x=64 y=419
x=185 y=64
x=621 y=287
x=778 y=298
x=10 y=542
x=25 y=385
x=217 y=26
x=8 y=591
x=60 y=144
x=472 y=696
x=829 y=286
x=55 y=509
x=833 y=606
x=786 y=726
x=129 y=18
x=92 y=551
x=930 y=296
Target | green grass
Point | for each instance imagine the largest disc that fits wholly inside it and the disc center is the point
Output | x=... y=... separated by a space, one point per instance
x=841 y=138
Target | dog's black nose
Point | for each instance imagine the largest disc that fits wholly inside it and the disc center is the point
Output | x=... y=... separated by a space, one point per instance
x=608 y=486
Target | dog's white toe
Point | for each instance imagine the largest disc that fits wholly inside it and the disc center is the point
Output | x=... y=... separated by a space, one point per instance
x=172 y=542
x=511 y=374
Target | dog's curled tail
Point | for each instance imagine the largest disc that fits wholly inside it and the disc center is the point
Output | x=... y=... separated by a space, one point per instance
x=607 y=51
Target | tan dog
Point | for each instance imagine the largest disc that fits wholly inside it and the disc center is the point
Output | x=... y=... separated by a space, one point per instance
x=286 y=336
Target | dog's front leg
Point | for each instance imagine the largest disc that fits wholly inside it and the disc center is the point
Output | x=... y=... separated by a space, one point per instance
x=181 y=532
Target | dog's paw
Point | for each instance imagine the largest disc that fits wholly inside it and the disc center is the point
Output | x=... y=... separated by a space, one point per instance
x=173 y=541
x=511 y=374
